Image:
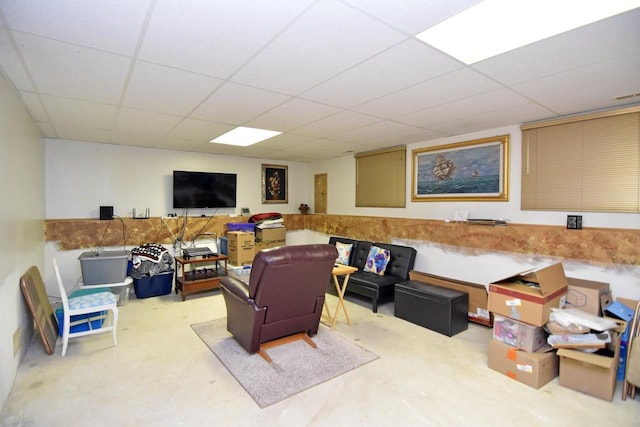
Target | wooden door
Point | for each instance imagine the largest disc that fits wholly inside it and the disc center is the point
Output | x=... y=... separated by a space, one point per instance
x=320 y=193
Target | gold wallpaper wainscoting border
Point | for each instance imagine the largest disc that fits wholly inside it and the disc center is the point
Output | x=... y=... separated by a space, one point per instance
x=92 y=233
x=607 y=246
x=601 y=245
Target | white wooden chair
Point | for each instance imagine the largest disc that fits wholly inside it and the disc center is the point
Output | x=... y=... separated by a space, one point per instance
x=96 y=303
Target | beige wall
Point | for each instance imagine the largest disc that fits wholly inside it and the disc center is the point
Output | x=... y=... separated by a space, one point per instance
x=21 y=223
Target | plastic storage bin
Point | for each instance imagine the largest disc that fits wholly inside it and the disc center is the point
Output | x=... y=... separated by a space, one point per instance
x=224 y=246
x=96 y=324
x=99 y=268
x=83 y=326
x=122 y=293
x=241 y=226
x=153 y=286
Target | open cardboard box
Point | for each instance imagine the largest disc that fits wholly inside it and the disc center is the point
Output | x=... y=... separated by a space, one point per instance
x=529 y=296
x=592 y=373
x=586 y=295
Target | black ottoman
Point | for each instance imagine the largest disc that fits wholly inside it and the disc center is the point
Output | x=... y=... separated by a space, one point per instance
x=439 y=309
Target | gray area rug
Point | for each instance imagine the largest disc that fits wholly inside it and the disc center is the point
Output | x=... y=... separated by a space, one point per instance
x=296 y=366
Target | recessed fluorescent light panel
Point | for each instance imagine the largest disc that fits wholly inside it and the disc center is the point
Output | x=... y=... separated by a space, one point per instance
x=243 y=136
x=492 y=27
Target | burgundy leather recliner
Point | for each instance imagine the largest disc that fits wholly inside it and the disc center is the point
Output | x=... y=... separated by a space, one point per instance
x=284 y=296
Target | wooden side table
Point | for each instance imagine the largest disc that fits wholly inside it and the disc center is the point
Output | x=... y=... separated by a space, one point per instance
x=340 y=270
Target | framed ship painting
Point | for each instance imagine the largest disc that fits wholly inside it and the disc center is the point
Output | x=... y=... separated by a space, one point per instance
x=475 y=170
x=275 y=188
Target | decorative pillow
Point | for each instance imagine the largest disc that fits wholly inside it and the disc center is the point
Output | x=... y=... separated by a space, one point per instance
x=344 y=251
x=377 y=260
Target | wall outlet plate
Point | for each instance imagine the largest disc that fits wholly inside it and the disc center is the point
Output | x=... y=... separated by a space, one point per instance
x=574 y=222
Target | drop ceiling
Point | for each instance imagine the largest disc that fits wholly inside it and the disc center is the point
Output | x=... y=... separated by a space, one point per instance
x=335 y=76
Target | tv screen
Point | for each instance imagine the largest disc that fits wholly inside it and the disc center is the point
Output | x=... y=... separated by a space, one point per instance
x=203 y=190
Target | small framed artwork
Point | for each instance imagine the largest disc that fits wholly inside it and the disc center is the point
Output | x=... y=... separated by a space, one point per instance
x=275 y=188
x=465 y=171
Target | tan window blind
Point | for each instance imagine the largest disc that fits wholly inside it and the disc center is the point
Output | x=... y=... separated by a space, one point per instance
x=589 y=164
x=381 y=178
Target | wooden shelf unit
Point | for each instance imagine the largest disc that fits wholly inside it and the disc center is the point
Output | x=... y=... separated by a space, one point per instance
x=189 y=286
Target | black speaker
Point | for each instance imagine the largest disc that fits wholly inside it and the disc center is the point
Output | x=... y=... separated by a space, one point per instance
x=106 y=212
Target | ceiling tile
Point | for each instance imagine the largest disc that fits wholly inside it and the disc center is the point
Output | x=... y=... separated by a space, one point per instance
x=292 y=114
x=134 y=138
x=34 y=106
x=81 y=22
x=199 y=130
x=237 y=104
x=12 y=64
x=440 y=90
x=387 y=133
x=286 y=141
x=48 y=131
x=214 y=37
x=74 y=72
x=167 y=90
x=399 y=67
x=585 y=88
x=71 y=112
x=138 y=121
x=336 y=124
x=574 y=49
x=493 y=119
x=412 y=16
x=498 y=99
x=77 y=133
x=336 y=34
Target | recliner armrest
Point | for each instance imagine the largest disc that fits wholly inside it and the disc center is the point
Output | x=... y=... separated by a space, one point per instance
x=236 y=287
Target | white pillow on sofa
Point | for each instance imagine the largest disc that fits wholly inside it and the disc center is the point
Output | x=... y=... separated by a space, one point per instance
x=344 y=251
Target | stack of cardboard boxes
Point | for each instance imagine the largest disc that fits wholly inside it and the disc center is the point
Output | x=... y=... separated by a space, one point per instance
x=245 y=240
x=522 y=305
x=241 y=247
x=270 y=237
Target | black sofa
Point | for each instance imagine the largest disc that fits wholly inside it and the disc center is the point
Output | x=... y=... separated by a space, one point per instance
x=371 y=285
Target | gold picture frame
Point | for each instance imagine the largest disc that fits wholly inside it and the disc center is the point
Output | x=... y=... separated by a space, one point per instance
x=476 y=170
x=275 y=184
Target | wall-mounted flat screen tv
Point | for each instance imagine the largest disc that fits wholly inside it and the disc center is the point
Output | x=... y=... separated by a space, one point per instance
x=199 y=190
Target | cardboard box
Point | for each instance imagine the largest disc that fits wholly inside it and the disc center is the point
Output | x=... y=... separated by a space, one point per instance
x=529 y=296
x=478 y=311
x=241 y=247
x=518 y=334
x=270 y=244
x=271 y=234
x=592 y=373
x=586 y=295
x=533 y=369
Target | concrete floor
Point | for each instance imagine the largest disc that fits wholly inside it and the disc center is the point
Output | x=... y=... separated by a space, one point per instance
x=162 y=374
